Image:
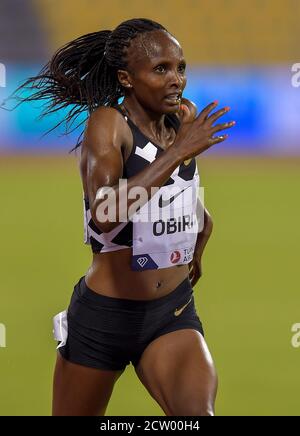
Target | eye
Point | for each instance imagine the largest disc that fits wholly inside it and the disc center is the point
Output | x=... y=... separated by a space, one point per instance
x=160 y=68
x=181 y=68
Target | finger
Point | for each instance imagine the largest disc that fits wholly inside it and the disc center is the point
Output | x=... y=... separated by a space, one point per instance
x=200 y=270
x=196 y=274
x=223 y=126
x=217 y=115
x=204 y=114
x=196 y=277
x=196 y=269
x=191 y=264
x=216 y=139
x=192 y=268
x=184 y=113
x=191 y=279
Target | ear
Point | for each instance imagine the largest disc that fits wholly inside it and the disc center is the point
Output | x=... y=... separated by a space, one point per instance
x=124 y=78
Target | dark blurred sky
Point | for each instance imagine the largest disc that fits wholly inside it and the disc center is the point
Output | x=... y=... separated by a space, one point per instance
x=22 y=38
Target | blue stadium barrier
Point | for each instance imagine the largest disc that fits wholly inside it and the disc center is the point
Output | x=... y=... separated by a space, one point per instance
x=263 y=102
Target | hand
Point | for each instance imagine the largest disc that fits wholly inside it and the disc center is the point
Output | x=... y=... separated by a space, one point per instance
x=195 y=270
x=196 y=136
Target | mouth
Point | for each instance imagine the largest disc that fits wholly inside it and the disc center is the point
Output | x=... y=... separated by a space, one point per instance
x=173 y=98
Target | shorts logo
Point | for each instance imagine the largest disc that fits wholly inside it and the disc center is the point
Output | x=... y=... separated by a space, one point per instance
x=179 y=311
x=175 y=256
x=142 y=261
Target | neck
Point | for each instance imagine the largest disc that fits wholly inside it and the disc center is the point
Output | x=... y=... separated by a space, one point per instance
x=151 y=123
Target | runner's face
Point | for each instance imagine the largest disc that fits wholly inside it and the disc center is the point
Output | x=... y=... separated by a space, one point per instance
x=156 y=69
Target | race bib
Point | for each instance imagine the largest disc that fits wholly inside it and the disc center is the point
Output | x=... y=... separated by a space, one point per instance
x=165 y=229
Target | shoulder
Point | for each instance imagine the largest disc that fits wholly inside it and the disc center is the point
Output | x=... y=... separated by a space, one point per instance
x=106 y=119
x=105 y=112
x=106 y=134
x=106 y=127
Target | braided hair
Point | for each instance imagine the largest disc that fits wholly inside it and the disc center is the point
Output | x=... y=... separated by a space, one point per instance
x=83 y=73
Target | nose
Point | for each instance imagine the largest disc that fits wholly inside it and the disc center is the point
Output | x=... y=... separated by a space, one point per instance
x=176 y=79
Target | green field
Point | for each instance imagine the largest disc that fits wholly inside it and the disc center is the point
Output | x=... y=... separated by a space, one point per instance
x=248 y=298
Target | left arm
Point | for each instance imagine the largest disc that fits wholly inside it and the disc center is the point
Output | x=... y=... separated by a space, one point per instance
x=203 y=237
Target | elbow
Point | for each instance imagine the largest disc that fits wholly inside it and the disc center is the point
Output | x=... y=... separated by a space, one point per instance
x=103 y=222
x=106 y=227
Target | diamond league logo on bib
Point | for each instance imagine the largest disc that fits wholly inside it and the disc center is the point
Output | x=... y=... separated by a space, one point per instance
x=175 y=256
x=142 y=261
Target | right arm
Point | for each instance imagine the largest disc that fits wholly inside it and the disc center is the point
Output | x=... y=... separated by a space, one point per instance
x=105 y=136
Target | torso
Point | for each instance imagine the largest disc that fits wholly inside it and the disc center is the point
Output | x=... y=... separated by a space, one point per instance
x=111 y=274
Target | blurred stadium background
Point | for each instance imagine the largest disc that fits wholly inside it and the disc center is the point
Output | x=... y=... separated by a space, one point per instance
x=240 y=53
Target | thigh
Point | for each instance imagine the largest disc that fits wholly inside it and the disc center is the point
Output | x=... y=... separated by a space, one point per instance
x=79 y=390
x=178 y=371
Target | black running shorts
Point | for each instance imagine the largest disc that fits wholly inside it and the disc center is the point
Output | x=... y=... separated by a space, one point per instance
x=109 y=333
